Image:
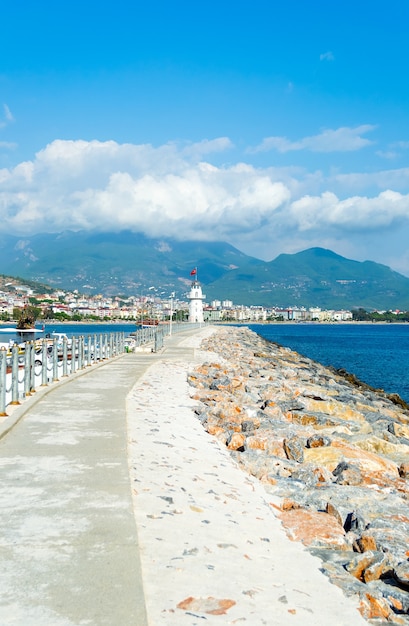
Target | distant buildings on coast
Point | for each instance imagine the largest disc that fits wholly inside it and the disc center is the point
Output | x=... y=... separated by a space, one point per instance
x=226 y=311
x=73 y=305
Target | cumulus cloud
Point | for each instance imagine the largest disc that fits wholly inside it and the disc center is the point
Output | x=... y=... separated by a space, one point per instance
x=342 y=139
x=172 y=191
x=160 y=191
x=357 y=213
x=327 y=56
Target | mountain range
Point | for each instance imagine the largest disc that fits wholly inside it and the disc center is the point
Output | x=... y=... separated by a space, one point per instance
x=128 y=263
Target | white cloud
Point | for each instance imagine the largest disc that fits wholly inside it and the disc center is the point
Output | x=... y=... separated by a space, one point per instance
x=397 y=179
x=357 y=213
x=386 y=154
x=8 y=145
x=403 y=145
x=7 y=117
x=8 y=114
x=327 y=56
x=160 y=191
x=201 y=148
x=167 y=191
x=342 y=139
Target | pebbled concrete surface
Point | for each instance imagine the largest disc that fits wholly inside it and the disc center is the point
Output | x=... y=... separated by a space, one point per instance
x=212 y=550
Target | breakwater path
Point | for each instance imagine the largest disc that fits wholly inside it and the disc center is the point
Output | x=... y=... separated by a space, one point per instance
x=69 y=545
x=118 y=509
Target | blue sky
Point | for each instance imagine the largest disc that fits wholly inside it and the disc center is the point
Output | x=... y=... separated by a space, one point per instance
x=275 y=126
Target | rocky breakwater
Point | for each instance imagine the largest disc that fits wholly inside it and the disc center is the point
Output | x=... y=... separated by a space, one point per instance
x=333 y=455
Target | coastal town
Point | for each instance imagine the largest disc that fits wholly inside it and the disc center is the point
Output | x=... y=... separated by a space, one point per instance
x=73 y=306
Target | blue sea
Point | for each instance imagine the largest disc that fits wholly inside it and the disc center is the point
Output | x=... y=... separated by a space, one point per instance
x=378 y=354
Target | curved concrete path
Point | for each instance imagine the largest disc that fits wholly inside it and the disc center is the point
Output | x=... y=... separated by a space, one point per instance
x=69 y=546
x=120 y=444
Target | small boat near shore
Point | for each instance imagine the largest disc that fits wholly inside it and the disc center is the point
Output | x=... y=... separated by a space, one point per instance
x=148 y=323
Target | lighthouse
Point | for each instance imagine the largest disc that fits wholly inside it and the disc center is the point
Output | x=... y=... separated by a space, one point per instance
x=196 y=300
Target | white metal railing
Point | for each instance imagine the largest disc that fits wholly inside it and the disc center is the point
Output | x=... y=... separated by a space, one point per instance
x=23 y=368
x=27 y=366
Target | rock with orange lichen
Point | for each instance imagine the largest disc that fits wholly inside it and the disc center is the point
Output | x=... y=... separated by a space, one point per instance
x=294 y=449
x=404 y=470
x=313 y=528
x=333 y=408
x=399 y=430
x=401 y=573
x=366 y=542
x=384 y=449
x=267 y=441
x=236 y=441
x=376 y=608
x=369 y=566
x=367 y=461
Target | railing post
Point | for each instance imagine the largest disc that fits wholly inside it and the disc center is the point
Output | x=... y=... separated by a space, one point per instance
x=44 y=371
x=111 y=345
x=54 y=357
x=14 y=375
x=3 y=381
x=73 y=355
x=94 y=349
x=80 y=352
x=89 y=350
x=32 y=367
x=27 y=368
x=64 y=356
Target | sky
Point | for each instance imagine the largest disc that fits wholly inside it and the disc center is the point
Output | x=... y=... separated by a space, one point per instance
x=275 y=126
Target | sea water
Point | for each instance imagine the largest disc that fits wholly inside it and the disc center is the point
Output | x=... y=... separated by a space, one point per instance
x=378 y=354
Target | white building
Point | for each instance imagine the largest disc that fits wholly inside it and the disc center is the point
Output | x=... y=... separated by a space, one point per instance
x=196 y=303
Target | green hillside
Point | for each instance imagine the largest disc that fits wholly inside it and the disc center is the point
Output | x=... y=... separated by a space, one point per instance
x=316 y=277
x=112 y=263
x=129 y=263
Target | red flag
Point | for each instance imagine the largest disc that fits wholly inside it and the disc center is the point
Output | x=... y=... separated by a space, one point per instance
x=193 y=272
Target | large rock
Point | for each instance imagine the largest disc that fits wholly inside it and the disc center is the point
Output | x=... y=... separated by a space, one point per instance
x=313 y=528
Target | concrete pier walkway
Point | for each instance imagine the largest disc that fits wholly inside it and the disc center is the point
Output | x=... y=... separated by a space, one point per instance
x=69 y=546
x=117 y=509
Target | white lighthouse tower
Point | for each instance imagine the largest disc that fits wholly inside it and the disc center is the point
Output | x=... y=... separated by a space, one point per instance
x=196 y=300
